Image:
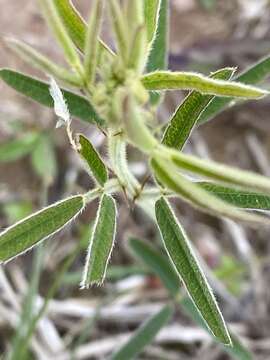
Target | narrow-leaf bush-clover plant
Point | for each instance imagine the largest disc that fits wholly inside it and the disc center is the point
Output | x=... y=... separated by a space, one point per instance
x=119 y=90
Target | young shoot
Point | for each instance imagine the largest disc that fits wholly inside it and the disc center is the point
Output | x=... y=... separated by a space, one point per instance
x=117 y=91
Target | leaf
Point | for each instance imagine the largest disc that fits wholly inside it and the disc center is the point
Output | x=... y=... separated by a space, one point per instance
x=198 y=197
x=220 y=172
x=181 y=254
x=253 y=75
x=44 y=160
x=138 y=51
x=22 y=339
x=101 y=243
x=18 y=148
x=185 y=117
x=75 y=25
x=151 y=15
x=38 y=90
x=144 y=335
x=41 y=62
x=91 y=41
x=114 y=273
x=166 y=80
x=120 y=27
x=238 y=197
x=93 y=160
x=237 y=350
x=158 y=57
x=59 y=30
x=162 y=267
x=157 y=262
x=28 y=232
x=138 y=44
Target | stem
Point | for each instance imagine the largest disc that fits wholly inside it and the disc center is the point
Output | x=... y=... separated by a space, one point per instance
x=70 y=136
x=92 y=195
x=20 y=342
x=110 y=187
x=136 y=129
x=117 y=154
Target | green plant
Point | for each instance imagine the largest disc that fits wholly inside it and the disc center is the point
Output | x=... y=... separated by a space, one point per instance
x=121 y=92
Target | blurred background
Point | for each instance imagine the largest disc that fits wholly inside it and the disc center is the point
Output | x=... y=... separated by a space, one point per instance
x=37 y=167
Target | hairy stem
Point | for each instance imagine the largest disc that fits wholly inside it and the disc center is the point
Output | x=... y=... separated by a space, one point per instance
x=117 y=154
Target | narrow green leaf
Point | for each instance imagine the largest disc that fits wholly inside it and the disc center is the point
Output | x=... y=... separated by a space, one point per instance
x=38 y=90
x=28 y=232
x=93 y=160
x=157 y=262
x=138 y=45
x=144 y=335
x=91 y=41
x=75 y=25
x=253 y=75
x=20 y=351
x=114 y=273
x=256 y=73
x=166 y=80
x=198 y=197
x=41 y=62
x=219 y=172
x=162 y=267
x=18 y=148
x=120 y=29
x=238 y=197
x=158 y=57
x=19 y=344
x=237 y=350
x=186 y=115
x=181 y=254
x=138 y=50
x=55 y=22
x=151 y=14
x=44 y=160
x=101 y=243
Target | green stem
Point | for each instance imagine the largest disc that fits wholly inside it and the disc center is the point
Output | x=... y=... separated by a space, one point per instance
x=92 y=195
x=20 y=343
x=110 y=187
x=117 y=154
x=137 y=131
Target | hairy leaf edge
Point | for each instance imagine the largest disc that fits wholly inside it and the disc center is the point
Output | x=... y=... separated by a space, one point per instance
x=48 y=236
x=83 y=284
x=202 y=273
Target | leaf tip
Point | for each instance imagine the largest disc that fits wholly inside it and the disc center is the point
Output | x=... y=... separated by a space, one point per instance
x=226 y=338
